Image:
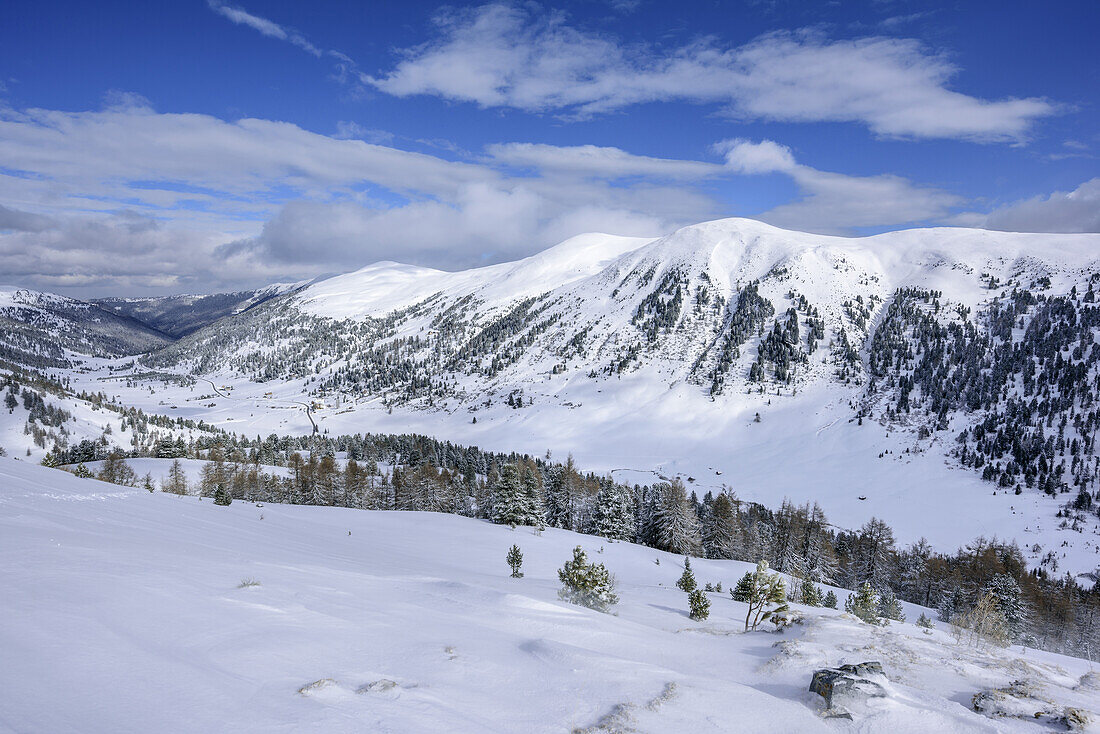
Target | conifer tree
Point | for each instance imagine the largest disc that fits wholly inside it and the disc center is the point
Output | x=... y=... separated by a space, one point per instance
x=889 y=608
x=515 y=560
x=222 y=496
x=698 y=605
x=508 y=504
x=614 y=518
x=863 y=603
x=531 y=496
x=924 y=621
x=587 y=584
x=721 y=530
x=675 y=520
x=686 y=583
x=811 y=595
x=830 y=600
x=177 y=479
x=1006 y=593
x=765 y=593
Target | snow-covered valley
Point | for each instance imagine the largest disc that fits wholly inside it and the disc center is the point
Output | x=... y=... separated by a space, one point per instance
x=129 y=611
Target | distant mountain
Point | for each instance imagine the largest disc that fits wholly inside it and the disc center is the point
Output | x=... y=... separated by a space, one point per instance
x=181 y=315
x=980 y=344
x=44 y=330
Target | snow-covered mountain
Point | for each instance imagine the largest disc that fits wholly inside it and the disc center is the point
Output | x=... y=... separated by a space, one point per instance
x=694 y=306
x=882 y=376
x=126 y=610
x=180 y=315
x=40 y=330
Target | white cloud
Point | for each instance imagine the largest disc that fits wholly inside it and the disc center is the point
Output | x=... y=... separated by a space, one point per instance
x=174 y=188
x=508 y=56
x=1061 y=211
x=834 y=203
x=596 y=161
x=125 y=199
x=269 y=28
x=767 y=156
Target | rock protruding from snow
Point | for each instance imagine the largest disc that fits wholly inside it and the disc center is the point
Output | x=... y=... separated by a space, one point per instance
x=1023 y=699
x=848 y=686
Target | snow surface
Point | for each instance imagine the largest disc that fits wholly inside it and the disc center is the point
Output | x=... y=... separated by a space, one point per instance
x=654 y=421
x=124 y=612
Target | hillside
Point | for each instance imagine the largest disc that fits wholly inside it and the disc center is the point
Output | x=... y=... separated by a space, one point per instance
x=181 y=315
x=43 y=330
x=887 y=376
x=125 y=612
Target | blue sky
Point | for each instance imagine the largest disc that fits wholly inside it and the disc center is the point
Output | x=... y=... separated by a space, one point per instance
x=200 y=145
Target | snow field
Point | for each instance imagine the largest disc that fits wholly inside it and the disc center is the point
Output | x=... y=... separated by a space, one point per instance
x=123 y=612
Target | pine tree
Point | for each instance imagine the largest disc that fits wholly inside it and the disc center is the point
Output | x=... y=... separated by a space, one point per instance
x=863 y=603
x=811 y=595
x=222 y=496
x=721 y=530
x=677 y=525
x=743 y=590
x=1006 y=593
x=614 y=517
x=508 y=505
x=531 y=496
x=687 y=579
x=698 y=605
x=515 y=560
x=924 y=621
x=587 y=584
x=765 y=593
x=889 y=608
x=830 y=600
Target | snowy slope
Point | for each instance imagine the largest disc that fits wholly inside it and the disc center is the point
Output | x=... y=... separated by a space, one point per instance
x=180 y=315
x=123 y=613
x=40 y=329
x=583 y=336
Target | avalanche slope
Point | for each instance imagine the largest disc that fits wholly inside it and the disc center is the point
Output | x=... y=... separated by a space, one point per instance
x=127 y=611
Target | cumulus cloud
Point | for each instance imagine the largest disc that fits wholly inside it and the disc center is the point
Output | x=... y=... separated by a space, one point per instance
x=126 y=199
x=767 y=156
x=176 y=188
x=835 y=203
x=513 y=56
x=1061 y=211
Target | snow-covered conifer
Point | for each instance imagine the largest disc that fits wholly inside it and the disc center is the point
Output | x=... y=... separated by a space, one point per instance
x=698 y=605
x=587 y=584
x=515 y=561
x=863 y=603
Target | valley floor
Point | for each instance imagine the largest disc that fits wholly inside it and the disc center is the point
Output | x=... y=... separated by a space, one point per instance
x=126 y=611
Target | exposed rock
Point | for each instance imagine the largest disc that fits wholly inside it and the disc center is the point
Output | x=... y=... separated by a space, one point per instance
x=377 y=686
x=316 y=685
x=846 y=685
x=1022 y=699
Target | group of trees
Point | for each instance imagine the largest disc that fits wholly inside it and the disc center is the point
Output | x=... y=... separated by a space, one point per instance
x=388 y=472
x=1028 y=368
